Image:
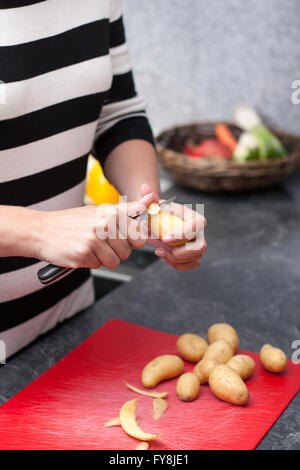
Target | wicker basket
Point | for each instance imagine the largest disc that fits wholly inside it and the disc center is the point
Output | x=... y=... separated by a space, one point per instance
x=217 y=174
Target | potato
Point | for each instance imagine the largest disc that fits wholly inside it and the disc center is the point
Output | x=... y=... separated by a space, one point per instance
x=227 y=385
x=161 y=368
x=188 y=387
x=242 y=364
x=204 y=368
x=162 y=222
x=273 y=359
x=220 y=350
x=223 y=331
x=191 y=347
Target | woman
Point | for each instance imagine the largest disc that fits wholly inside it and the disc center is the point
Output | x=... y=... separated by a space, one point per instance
x=68 y=90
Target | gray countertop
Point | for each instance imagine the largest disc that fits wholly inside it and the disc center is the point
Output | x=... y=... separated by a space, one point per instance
x=249 y=277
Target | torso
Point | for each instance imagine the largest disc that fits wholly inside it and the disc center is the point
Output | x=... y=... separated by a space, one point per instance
x=56 y=69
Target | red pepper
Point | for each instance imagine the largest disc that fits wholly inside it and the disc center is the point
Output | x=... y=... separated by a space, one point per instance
x=208 y=148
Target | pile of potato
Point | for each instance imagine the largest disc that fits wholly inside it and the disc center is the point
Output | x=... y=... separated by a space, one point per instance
x=216 y=364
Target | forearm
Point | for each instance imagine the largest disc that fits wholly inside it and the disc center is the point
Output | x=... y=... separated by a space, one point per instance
x=130 y=165
x=18 y=236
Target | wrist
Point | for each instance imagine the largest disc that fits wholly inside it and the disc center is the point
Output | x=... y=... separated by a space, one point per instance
x=33 y=240
x=20 y=230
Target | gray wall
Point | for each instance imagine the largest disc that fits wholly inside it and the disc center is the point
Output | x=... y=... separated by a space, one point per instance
x=197 y=59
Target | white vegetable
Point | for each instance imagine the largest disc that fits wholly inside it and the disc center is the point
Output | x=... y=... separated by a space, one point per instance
x=247 y=118
x=247 y=147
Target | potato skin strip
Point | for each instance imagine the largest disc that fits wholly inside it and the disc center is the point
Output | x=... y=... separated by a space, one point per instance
x=129 y=424
x=160 y=406
x=143 y=446
x=143 y=392
x=112 y=422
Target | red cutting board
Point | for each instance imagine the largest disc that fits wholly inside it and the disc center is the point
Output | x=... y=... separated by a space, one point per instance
x=66 y=406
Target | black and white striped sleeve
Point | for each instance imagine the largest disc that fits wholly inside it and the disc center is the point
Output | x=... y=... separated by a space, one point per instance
x=123 y=115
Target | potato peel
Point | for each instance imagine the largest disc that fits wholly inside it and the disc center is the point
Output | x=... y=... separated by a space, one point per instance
x=143 y=392
x=160 y=406
x=112 y=422
x=143 y=446
x=129 y=423
x=153 y=209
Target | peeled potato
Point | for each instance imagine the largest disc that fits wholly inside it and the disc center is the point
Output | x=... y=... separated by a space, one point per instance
x=188 y=387
x=273 y=359
x=162 y=222
x=223 y=331
x=204 y=368
x=191 y=347
x=161 y=368
x=227 y=385
x=244 y=365
x=129 y=423
x=220 y=350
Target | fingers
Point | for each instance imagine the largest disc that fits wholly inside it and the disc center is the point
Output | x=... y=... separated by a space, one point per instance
x=180 y=258
x=137 y=236
x=171 y=258
x=112 y=218
x=132 y=209
x=146 y=189
x=106 y=255
x=185 y=212
x=158 y=244
x=119 y=231
x=189 y=251
x=85 y=258
x=193 y=227
x=185 y=266
x=120 y=246
x=113 y=249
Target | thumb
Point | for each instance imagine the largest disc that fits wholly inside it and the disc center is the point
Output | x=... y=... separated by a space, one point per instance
x=146 y=189
x=137 y=207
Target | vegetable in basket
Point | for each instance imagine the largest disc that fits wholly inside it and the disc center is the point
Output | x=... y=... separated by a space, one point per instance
x=208 y=148
x=225 y=136
x=257 y=142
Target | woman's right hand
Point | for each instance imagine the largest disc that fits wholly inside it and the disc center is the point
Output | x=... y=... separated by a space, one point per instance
x=89 y=237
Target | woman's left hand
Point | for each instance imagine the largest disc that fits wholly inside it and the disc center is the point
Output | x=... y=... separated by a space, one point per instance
x=188 y=256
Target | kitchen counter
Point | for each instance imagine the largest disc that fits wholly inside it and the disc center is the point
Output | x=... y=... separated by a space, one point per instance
x=250 y=277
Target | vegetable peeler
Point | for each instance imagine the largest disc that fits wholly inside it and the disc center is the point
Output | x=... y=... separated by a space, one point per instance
x=51 y=273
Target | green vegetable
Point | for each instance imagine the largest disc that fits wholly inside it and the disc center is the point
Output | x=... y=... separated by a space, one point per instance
x=268 y=144
x=257 y=143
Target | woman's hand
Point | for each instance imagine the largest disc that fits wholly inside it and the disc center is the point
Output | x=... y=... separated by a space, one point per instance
x=89 y=237
x=187 y=256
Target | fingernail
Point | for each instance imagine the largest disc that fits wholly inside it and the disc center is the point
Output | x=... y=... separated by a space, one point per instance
x=148 y=196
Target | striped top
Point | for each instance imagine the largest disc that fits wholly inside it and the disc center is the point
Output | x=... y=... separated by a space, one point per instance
x=66 y=88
